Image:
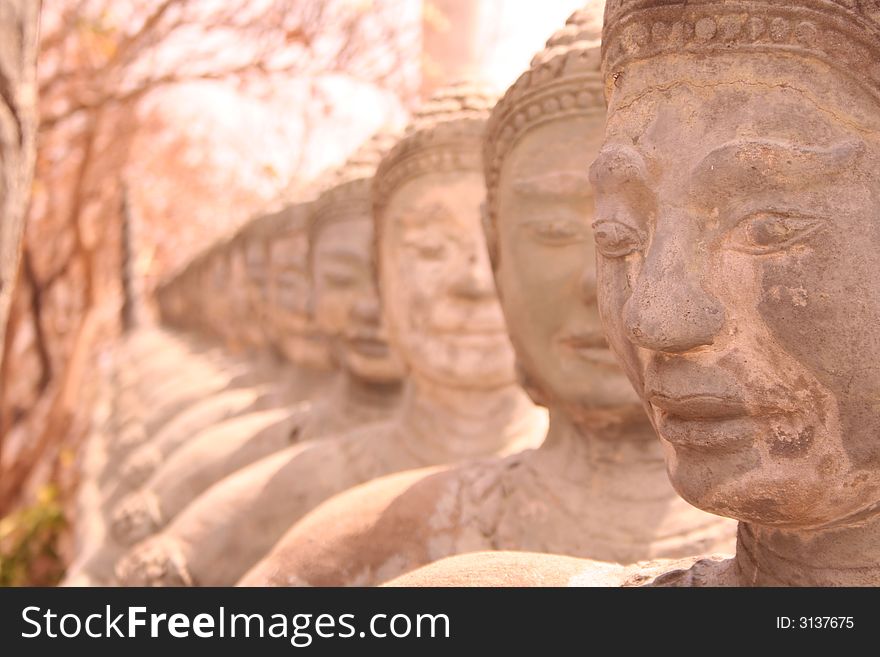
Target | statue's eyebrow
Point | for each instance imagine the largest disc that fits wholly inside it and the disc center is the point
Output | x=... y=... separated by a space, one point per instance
x=749 y=164
x=415 y=217
x=570 y=184
x=617 y=165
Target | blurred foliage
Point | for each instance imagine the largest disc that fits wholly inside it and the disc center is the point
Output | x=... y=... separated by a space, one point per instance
x=181 y=102
x=29 y=542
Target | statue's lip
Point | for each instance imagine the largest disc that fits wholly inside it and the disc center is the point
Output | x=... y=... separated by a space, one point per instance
x=699 y=406
x=591 y=347
x=367 y=343
x=475 y=329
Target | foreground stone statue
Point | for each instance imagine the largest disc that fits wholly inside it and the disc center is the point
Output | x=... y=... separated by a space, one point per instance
x=737 y=205
x=234 y=523
x=442 y=312
x=601 y=462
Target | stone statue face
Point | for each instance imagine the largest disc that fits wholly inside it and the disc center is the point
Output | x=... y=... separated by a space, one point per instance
x=245 y=319
x=547 y=269
x=737 y=229
x=239 y=289
x=218 y=278
x=440 y=300
x=255 y=259
x=289 y=292
x=346 y=300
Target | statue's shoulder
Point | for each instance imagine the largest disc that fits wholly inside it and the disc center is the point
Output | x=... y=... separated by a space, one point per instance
x=711 y=570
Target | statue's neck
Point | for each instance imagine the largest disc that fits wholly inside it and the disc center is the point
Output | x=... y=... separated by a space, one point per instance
x=355 y=395
x=604 y=443
x=304 y=382
x=609 y=472
x=840 y=556
x=618 y=460
x=439 y=423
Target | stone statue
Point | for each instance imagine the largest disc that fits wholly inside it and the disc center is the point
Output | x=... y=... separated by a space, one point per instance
x=345 y=299
x=738 y=192
x=246 y=331
x=304 y=373
x=599 y=439
x=202 y=461
x=222 y=427
x=291 y=323
x=368 y=390
x=242 y=516
x=443 y=316
x=147 y=356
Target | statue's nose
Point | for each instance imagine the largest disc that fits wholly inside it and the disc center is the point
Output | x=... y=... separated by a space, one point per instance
x=669 y=310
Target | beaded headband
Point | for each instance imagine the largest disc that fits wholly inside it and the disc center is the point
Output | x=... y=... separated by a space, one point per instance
x=445 y=135
x=844 y=34
x=348 y=190
x=564 y=80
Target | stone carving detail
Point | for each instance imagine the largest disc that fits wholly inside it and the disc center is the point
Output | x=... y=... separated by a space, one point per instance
x=739 y=331
x=261 y=501
x=597 y=487
x=844 y=34
x=158 y=564
x=137 y=517
x=443 y=316
x=736 y=227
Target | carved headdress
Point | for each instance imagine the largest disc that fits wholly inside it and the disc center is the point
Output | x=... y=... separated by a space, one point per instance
x=347 y=191
x=445 y=135
x=843 y=34
x=563 y=80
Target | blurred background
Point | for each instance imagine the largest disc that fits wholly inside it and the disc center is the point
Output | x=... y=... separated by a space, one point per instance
x=164 y=124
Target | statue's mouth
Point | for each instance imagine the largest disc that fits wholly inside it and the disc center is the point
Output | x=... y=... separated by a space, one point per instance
x=591 y=347
x=708 y=420
x=368 y=345
x=698 y=406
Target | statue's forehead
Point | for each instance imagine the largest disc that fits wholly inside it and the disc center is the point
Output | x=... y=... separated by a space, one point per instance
x=436 y=200
x=566 y=139
x=741 y=92
x=346 y=242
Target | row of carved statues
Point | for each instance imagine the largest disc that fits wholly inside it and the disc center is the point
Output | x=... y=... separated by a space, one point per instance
x=570 y=335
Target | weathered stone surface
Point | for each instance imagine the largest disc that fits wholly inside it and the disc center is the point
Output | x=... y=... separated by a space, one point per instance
x=597 y=487
x=737 y=235
x=442 y=311
x=216 y=453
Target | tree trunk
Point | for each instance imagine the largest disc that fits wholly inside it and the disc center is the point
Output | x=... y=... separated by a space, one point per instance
x=19 y=23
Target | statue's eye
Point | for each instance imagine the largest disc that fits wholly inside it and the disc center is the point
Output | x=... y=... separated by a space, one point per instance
x=556 y=232
x=769 y=232
x=340 y=279
x=615 y=239
x=428 y=249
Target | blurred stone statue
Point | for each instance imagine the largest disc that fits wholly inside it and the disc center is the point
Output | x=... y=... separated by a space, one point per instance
x=738 y=191
x=223 y=448
x=234 y=523
x=601 y=463
x=443 y=316
x=223 y=427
